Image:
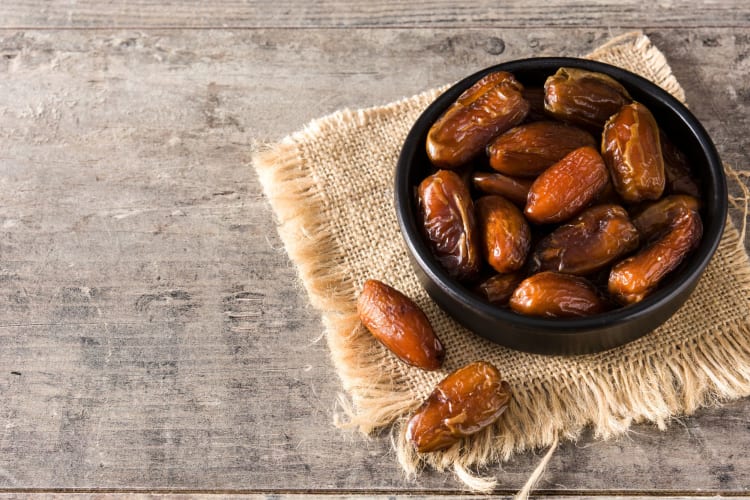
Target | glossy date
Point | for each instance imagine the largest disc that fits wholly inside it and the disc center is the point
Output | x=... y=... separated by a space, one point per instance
x=527 y=150
x=489 y=107
x=557 y=295
x=505 y=234
x=566 y=187
x=400 y=325
x=597 y=237
x=632 y=150
x=447 y=214
x=463 y=403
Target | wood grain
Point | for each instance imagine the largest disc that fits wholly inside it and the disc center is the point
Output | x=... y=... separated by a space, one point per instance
x=152 y=332
x=606 y=14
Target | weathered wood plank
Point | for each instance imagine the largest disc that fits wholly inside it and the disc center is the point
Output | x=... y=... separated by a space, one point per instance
x=152 y=334
x=390 y=13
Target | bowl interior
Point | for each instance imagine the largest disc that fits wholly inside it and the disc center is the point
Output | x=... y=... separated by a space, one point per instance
x=676 y=121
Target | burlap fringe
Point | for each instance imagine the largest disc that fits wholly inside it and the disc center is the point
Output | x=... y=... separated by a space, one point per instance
x=711 y=369
x=377 y=397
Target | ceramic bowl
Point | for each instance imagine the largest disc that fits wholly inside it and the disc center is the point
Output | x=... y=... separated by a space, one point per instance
x=579 y=335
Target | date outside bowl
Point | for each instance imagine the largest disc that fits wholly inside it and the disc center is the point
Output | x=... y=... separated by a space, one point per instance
x=579 y=335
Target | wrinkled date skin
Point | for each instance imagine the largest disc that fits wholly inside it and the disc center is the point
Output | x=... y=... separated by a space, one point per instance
x=489 y=107
x=588 y=243
x=632 y=150
x=506 y=236
x=566 y=187
x=659 y=215
x=497 y=289
x=631 y=280
x=513 y=188
x=400 y=325
x=583 y=97
x=447 y=213
x=557 y=295
x=463 y=403
x=527 y=150
x=677 y=173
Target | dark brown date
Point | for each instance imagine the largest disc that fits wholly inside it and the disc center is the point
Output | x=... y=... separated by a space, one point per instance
x=447 y=213
x=512 y=188
x=598 y=236
x=489 y=107
x=557 y=295
x=679 y=178
x=497 y=289
x=631 y=280
x=463 y=403
x=535 y=97
x=527 y=150
x=566 y=187
x=506 y=236
x=632 y=150
x=583 y=97
x=659 y=215
x=400 y=325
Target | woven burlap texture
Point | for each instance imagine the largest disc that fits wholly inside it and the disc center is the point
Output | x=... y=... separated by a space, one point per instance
x=330 y=186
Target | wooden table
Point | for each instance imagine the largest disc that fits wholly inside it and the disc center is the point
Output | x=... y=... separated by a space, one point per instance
x=153 y=336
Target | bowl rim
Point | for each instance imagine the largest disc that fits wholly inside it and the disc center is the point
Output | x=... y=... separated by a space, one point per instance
x=421 y=254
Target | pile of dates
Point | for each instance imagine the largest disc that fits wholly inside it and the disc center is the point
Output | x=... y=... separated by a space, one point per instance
x=463 y=403
x=559 y=202
x=565 y=201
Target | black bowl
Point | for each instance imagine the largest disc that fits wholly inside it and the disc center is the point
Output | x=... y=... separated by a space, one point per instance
x=580 y=335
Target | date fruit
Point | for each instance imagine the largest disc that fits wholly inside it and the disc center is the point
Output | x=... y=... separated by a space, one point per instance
x=598 y=236
x=463 y=403
x=566 y=187
x=583 y=97
x=497 y=289
x=658 y=216
x=557 y=295
x=505 y=234
x=447 y=213
x=679 y=179
x=489 y=107
x=400 y=325
x=512 y=188
x=631 y=280
x=527 y=150
x=632 y=150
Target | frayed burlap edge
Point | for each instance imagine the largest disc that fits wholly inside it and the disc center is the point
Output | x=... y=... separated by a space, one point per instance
x=378 y=396
x=711 y=369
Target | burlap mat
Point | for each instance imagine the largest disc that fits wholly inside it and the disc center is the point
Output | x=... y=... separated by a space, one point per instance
x=330 y=186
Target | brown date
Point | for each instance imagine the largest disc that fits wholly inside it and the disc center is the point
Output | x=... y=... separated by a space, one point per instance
x=400 y=325
x=679 y=179
x=527 y=150
x=632 y=150
x=597 y=237
x=566 y=187
x=463 y=403
x=505 y=234
x=447 y=214
x=658 y=216
x=631 y=280
x=557 y=295
x=535 y=97
x=583 y=97
x=489 y=107
x=512 y=188
x=497 y=289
